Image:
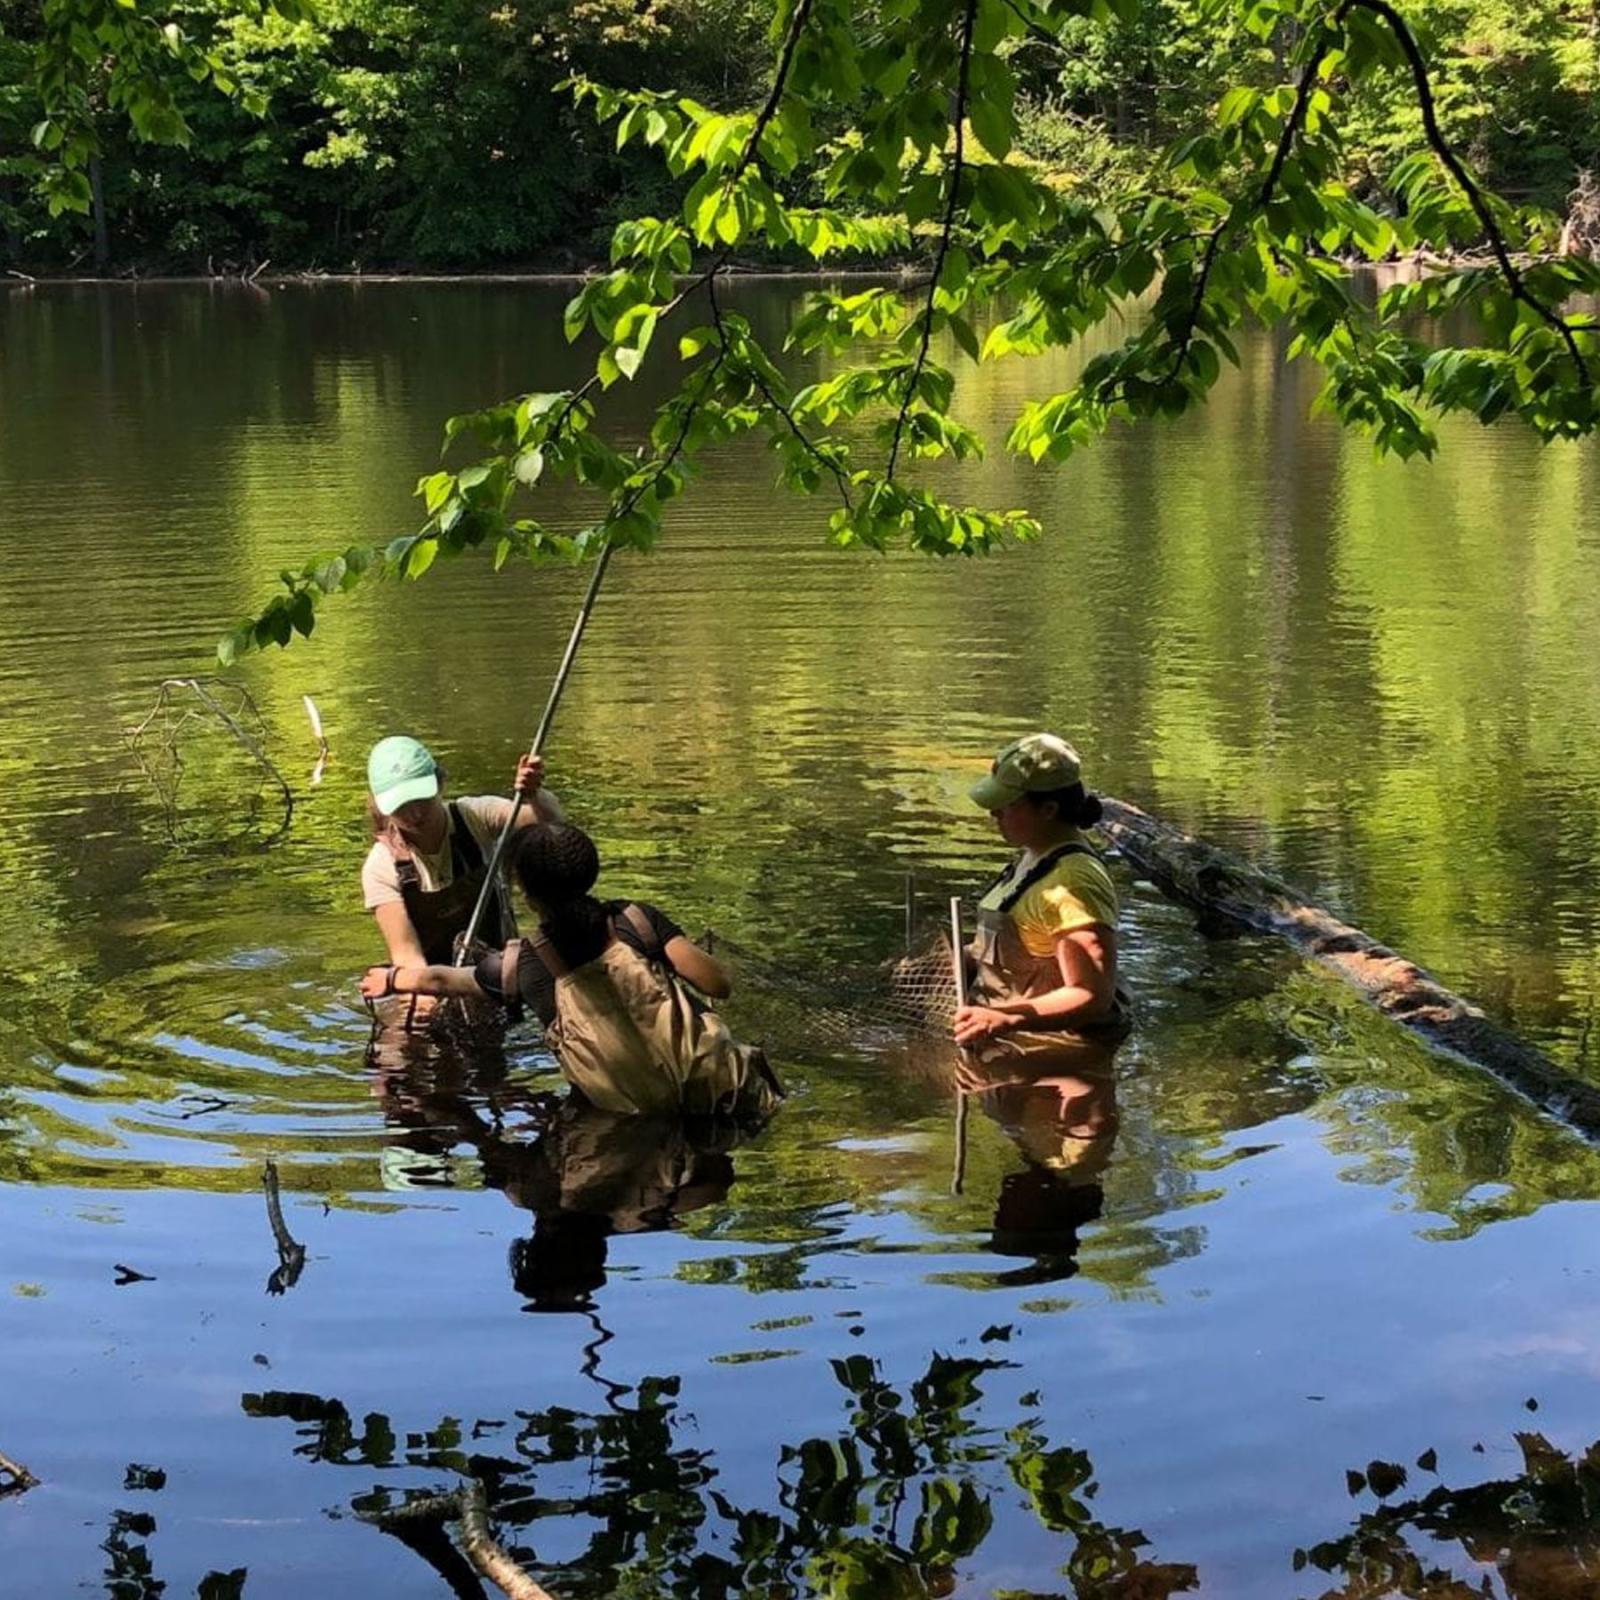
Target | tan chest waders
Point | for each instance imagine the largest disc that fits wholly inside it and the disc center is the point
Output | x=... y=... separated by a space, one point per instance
x=632 y=1038
x=1005 y=971
x=440 y=915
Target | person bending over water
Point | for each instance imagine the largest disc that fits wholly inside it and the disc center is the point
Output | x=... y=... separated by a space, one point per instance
x=1044 y=960
x=430 y=856
x=610 y=981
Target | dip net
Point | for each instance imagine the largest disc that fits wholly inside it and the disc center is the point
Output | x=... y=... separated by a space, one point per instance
x=909 y=998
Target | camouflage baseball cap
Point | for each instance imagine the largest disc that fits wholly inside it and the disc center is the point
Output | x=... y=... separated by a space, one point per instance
x=1038 y=763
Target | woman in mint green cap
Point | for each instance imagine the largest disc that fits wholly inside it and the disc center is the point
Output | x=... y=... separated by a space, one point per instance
x=1044 y=959
x=429 y=856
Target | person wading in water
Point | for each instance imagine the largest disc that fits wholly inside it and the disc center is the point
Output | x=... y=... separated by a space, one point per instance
x=1044 y=961
x=430 y=856
x=611 y=981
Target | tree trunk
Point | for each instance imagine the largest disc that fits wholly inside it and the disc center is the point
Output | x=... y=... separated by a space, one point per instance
x=97 y=208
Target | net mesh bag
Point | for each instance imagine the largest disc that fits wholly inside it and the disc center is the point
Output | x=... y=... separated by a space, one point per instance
x=912 y=997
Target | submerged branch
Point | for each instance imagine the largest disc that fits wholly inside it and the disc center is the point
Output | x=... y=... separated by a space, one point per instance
x=21 y=1479
x=469 y=1507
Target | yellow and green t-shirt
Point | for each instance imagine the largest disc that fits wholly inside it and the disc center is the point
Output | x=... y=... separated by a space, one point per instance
x=1077 y=892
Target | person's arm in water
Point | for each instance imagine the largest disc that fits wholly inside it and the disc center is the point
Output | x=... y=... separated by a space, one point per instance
x=703 y=970
x=378 y=982
x=1087 y=958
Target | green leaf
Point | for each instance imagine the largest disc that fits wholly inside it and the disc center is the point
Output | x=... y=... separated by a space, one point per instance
x=994 y=123
x=420 y=557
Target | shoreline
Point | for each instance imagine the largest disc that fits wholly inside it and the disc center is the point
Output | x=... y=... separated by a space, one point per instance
x=14 y=279
x=1401 y=268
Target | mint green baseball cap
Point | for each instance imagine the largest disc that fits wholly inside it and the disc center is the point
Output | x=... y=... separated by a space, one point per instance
x=400 y=770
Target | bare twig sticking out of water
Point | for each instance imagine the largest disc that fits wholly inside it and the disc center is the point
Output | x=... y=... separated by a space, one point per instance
x=315 y=717
x=164 y=724
x=21 y=1480
x=291 y=1254
x=468 y=1506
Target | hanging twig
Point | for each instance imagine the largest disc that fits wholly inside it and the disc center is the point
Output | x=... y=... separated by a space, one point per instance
x=1475 y=196
x=583 y=390
x=840 y=477
x=1437 y=142
x=291 y=1253
x=947 y=228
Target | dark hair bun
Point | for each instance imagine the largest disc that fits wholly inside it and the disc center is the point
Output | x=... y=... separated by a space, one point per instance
x=557 y=862
x=1090 y=811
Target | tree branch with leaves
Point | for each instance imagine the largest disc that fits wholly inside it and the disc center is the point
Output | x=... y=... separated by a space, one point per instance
x=887 y=131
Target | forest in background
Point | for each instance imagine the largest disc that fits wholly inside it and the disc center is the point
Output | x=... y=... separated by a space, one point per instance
x=436 y=134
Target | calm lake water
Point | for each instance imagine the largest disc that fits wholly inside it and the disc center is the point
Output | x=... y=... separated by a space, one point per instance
x=1317 y=1319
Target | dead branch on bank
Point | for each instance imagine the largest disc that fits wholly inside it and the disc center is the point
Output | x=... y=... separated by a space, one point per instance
x=20 y=1479
x=1223 y=885
x=291 y=1253
x=469 y=1507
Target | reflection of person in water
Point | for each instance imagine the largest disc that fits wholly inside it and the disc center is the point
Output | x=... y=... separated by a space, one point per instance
x=585 y=1174
x=595 y=1174
x=1061 y=1113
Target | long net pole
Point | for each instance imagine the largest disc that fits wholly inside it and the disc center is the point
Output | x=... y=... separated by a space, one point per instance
x=958 y=968
x=492 y=877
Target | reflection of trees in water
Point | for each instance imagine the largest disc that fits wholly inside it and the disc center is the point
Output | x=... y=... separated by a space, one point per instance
x=129 y=1572
x=888 y=1507
x=1539 y=1530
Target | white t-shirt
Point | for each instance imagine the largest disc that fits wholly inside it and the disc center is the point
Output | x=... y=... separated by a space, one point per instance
x=484 y=814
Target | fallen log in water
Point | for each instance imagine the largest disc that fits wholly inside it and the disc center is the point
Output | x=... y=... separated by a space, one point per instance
x=1220 y=884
